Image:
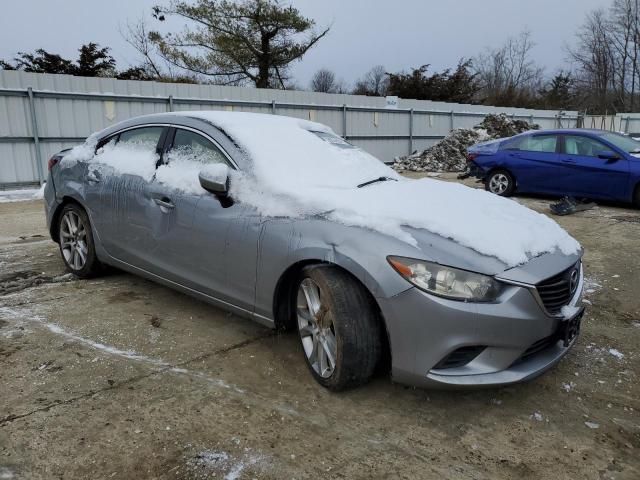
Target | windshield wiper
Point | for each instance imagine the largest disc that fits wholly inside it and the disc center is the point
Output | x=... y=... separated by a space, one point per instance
x=376 y=180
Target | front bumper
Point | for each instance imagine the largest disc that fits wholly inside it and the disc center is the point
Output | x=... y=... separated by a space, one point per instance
x=424 y=329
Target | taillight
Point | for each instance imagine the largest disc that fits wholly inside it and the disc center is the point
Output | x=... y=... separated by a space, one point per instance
x=471 y=157
x=52 y=162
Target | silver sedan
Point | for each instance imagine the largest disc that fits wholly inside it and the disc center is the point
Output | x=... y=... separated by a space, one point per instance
x=436 y=312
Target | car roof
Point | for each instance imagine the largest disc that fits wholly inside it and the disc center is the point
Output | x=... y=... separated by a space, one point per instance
x=569 y=131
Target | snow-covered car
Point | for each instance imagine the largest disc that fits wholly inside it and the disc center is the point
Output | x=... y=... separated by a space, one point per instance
x=282 y=221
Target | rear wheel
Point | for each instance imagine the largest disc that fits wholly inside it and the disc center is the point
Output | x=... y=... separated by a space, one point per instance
x=339 y=327
x=501 y=183
x=636 y=197
x=76 y=242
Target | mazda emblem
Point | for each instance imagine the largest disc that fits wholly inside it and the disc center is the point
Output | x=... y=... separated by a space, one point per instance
x=574 y=277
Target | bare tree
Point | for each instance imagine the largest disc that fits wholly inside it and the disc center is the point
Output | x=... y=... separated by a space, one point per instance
x=374 y=83
x=507 y=74
x=595 y=58
x=324 y=80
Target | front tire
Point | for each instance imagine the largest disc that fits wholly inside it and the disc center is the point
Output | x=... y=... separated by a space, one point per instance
x=76 y=242
x=636 y=196
x=501 y=183
x=338 y=326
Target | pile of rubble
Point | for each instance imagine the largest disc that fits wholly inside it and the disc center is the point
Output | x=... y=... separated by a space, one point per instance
x=450 y=154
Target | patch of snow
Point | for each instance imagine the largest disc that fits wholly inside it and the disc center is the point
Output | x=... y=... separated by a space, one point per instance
x=211 y=462
x=568 y=311
x=127 y=158
x=567 y=387
x=21 y=195
x=537 y=416
x=616 y=353
x=592 y=425
x=296 y=173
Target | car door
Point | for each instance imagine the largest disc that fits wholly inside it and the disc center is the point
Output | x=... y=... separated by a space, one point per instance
x=534 y=161
x=196 y=239
x=593 y=169
x=117 y=181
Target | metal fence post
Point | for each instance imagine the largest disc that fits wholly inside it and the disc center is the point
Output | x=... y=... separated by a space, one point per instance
x=531 y=121
x=36 y=137
x=626 y=125
x=452 y=117
x=170 y=104
x=344 y=120
x=410 y=131
x=273 y=107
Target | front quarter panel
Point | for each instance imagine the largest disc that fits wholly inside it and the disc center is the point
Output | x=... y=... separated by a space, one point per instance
x=286 y=242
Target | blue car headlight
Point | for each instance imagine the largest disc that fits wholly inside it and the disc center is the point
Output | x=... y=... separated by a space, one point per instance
x=447 y=282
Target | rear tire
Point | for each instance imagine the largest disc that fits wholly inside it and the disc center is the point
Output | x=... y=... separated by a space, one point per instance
x=636 y=196
x=76 y=242
x=500 y=182
x=339 y=327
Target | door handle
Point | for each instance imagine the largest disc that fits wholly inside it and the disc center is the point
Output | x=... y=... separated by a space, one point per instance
x=567 y=160
x=164 y=203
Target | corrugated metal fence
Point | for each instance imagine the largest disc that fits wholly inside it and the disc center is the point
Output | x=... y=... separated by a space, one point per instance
x=41 y=114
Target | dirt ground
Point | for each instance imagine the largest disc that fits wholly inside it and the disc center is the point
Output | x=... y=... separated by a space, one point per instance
x=118 y=377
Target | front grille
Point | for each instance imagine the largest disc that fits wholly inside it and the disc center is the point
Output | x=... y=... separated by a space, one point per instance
x=556 y=292
x=460 y=357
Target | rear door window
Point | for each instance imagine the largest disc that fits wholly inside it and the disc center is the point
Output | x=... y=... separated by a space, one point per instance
x=584 y=146
x=540 y=143
x=141 y=137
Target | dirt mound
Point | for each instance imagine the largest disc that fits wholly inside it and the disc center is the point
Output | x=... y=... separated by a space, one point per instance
x=450 y=154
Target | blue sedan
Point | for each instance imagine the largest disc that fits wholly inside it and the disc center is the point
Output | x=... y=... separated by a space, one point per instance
x=575 y=162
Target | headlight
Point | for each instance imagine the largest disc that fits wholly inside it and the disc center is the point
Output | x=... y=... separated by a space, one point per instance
x=447 y=282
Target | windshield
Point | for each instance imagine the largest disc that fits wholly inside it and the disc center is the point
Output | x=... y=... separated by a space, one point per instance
x=623 y=142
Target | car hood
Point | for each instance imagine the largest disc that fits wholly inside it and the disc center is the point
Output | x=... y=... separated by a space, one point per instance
x=444 y=251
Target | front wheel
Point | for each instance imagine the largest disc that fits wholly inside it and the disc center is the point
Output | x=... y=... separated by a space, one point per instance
x=339 y=327
x=76 y=242
x=501 y=183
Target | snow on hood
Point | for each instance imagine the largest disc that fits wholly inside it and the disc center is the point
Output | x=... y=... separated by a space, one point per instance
x=294 y=172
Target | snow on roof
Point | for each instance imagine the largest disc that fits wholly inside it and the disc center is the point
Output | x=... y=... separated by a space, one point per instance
x=295 y=172
x=300 y=168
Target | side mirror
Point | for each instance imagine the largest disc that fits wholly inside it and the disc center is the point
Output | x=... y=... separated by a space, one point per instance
x=608 y=155
x=215 y=179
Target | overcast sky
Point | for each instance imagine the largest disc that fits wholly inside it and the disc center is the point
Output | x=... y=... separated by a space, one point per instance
x=398 y=34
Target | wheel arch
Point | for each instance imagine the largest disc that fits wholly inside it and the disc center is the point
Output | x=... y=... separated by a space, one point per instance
x=284 y=298
x=66 y=200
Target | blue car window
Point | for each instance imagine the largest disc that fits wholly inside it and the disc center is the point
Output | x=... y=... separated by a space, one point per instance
x=539 y=143
x=584 y=146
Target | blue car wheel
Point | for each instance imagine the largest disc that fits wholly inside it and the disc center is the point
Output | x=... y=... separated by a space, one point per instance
x=500 y=182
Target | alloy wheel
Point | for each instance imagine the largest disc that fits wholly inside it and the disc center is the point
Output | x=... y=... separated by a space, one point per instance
x=73 y=240
x=316 y=329
x=499 y=183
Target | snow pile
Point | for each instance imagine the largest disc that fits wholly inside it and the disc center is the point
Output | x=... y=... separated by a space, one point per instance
x=501 y=126
x=450 y=154
x=295 y=172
